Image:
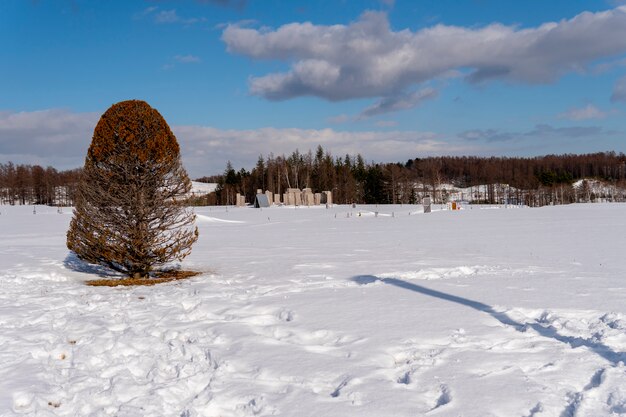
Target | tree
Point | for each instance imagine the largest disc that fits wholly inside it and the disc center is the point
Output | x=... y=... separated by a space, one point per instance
x=374 y=186
x=129 y=213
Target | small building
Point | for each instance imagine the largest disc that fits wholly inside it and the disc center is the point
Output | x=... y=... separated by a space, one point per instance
x=261 y=201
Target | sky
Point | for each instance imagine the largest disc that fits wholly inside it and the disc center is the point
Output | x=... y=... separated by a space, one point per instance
x=391 y=80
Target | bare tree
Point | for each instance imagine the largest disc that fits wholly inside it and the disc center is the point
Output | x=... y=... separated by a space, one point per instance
x=129 y=213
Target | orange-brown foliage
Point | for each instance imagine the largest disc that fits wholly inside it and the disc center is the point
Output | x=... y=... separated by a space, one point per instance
x=141 y=127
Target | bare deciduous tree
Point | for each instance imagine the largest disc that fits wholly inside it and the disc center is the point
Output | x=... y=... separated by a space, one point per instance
x=130 y=214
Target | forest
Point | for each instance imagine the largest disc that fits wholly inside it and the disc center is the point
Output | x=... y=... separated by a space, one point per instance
x=33 y=184
x=534 y=181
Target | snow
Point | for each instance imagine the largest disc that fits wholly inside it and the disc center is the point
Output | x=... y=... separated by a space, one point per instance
x=601 y=189
x=476 y=193
x=322 y=312
x=202 y=188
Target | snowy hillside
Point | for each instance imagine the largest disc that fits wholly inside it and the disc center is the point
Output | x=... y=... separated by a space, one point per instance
x=314 y=312
x=202 y=188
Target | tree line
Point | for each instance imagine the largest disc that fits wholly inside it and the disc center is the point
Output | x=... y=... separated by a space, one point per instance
x=534 y=181
x=34 y=184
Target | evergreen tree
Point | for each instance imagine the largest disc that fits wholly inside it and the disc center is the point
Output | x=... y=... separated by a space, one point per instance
x=130 y=214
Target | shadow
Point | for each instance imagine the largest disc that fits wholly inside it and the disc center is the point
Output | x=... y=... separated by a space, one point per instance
x=366 y=279
x=545 y=331
x=73 y=263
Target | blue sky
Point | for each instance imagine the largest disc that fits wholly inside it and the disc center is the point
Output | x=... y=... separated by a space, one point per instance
x=391 y=80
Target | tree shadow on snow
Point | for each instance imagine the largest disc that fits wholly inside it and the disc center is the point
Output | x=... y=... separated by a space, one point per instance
x=549 y=331
x=73 y=263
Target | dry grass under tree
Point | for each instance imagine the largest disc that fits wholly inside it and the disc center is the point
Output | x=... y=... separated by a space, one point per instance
x=159 y=278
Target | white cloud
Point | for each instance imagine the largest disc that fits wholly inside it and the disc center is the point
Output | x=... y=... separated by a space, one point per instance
x=609 y=65
x=60 y=138
x=205 y=149
x=181 y=59
x=399 y=102
x=168 y=16
x=145 y=12
x=50 y=137
x=619 y=92
x=236 y=4
x=386 y=123
x=539 y=132
x=342 y=118
x=187 y=59
x=366 y=58
x=488 y=135
x=589 y=112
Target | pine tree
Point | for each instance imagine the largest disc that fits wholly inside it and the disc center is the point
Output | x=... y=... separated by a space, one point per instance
x=130 y=214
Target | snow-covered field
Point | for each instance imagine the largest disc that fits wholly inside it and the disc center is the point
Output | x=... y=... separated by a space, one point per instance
x=315 y=312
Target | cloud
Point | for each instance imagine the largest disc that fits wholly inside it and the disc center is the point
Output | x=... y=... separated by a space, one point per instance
x=181 y=59
x=399 y=102
x=171 y=16
x=366 y=58
x=589 y=112
x=386 y=123
x=145 y=12
x=487 y=135
x=342 y=118
x=609 y=65
x=49 y=137
x=541 y=131
x=166 y=16
x=187 y=59
x=206 y=149
x=60 y=138
x=544 y=130
x=619 y=92
x=235 y=4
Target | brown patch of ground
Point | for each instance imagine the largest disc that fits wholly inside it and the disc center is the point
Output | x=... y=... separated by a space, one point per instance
x=158 y=278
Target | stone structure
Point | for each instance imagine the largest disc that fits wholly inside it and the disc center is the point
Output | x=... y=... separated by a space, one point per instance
x=426 y=203
x=240 y=200
x=308 y=198
x=294 y=197
x=327 y=198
